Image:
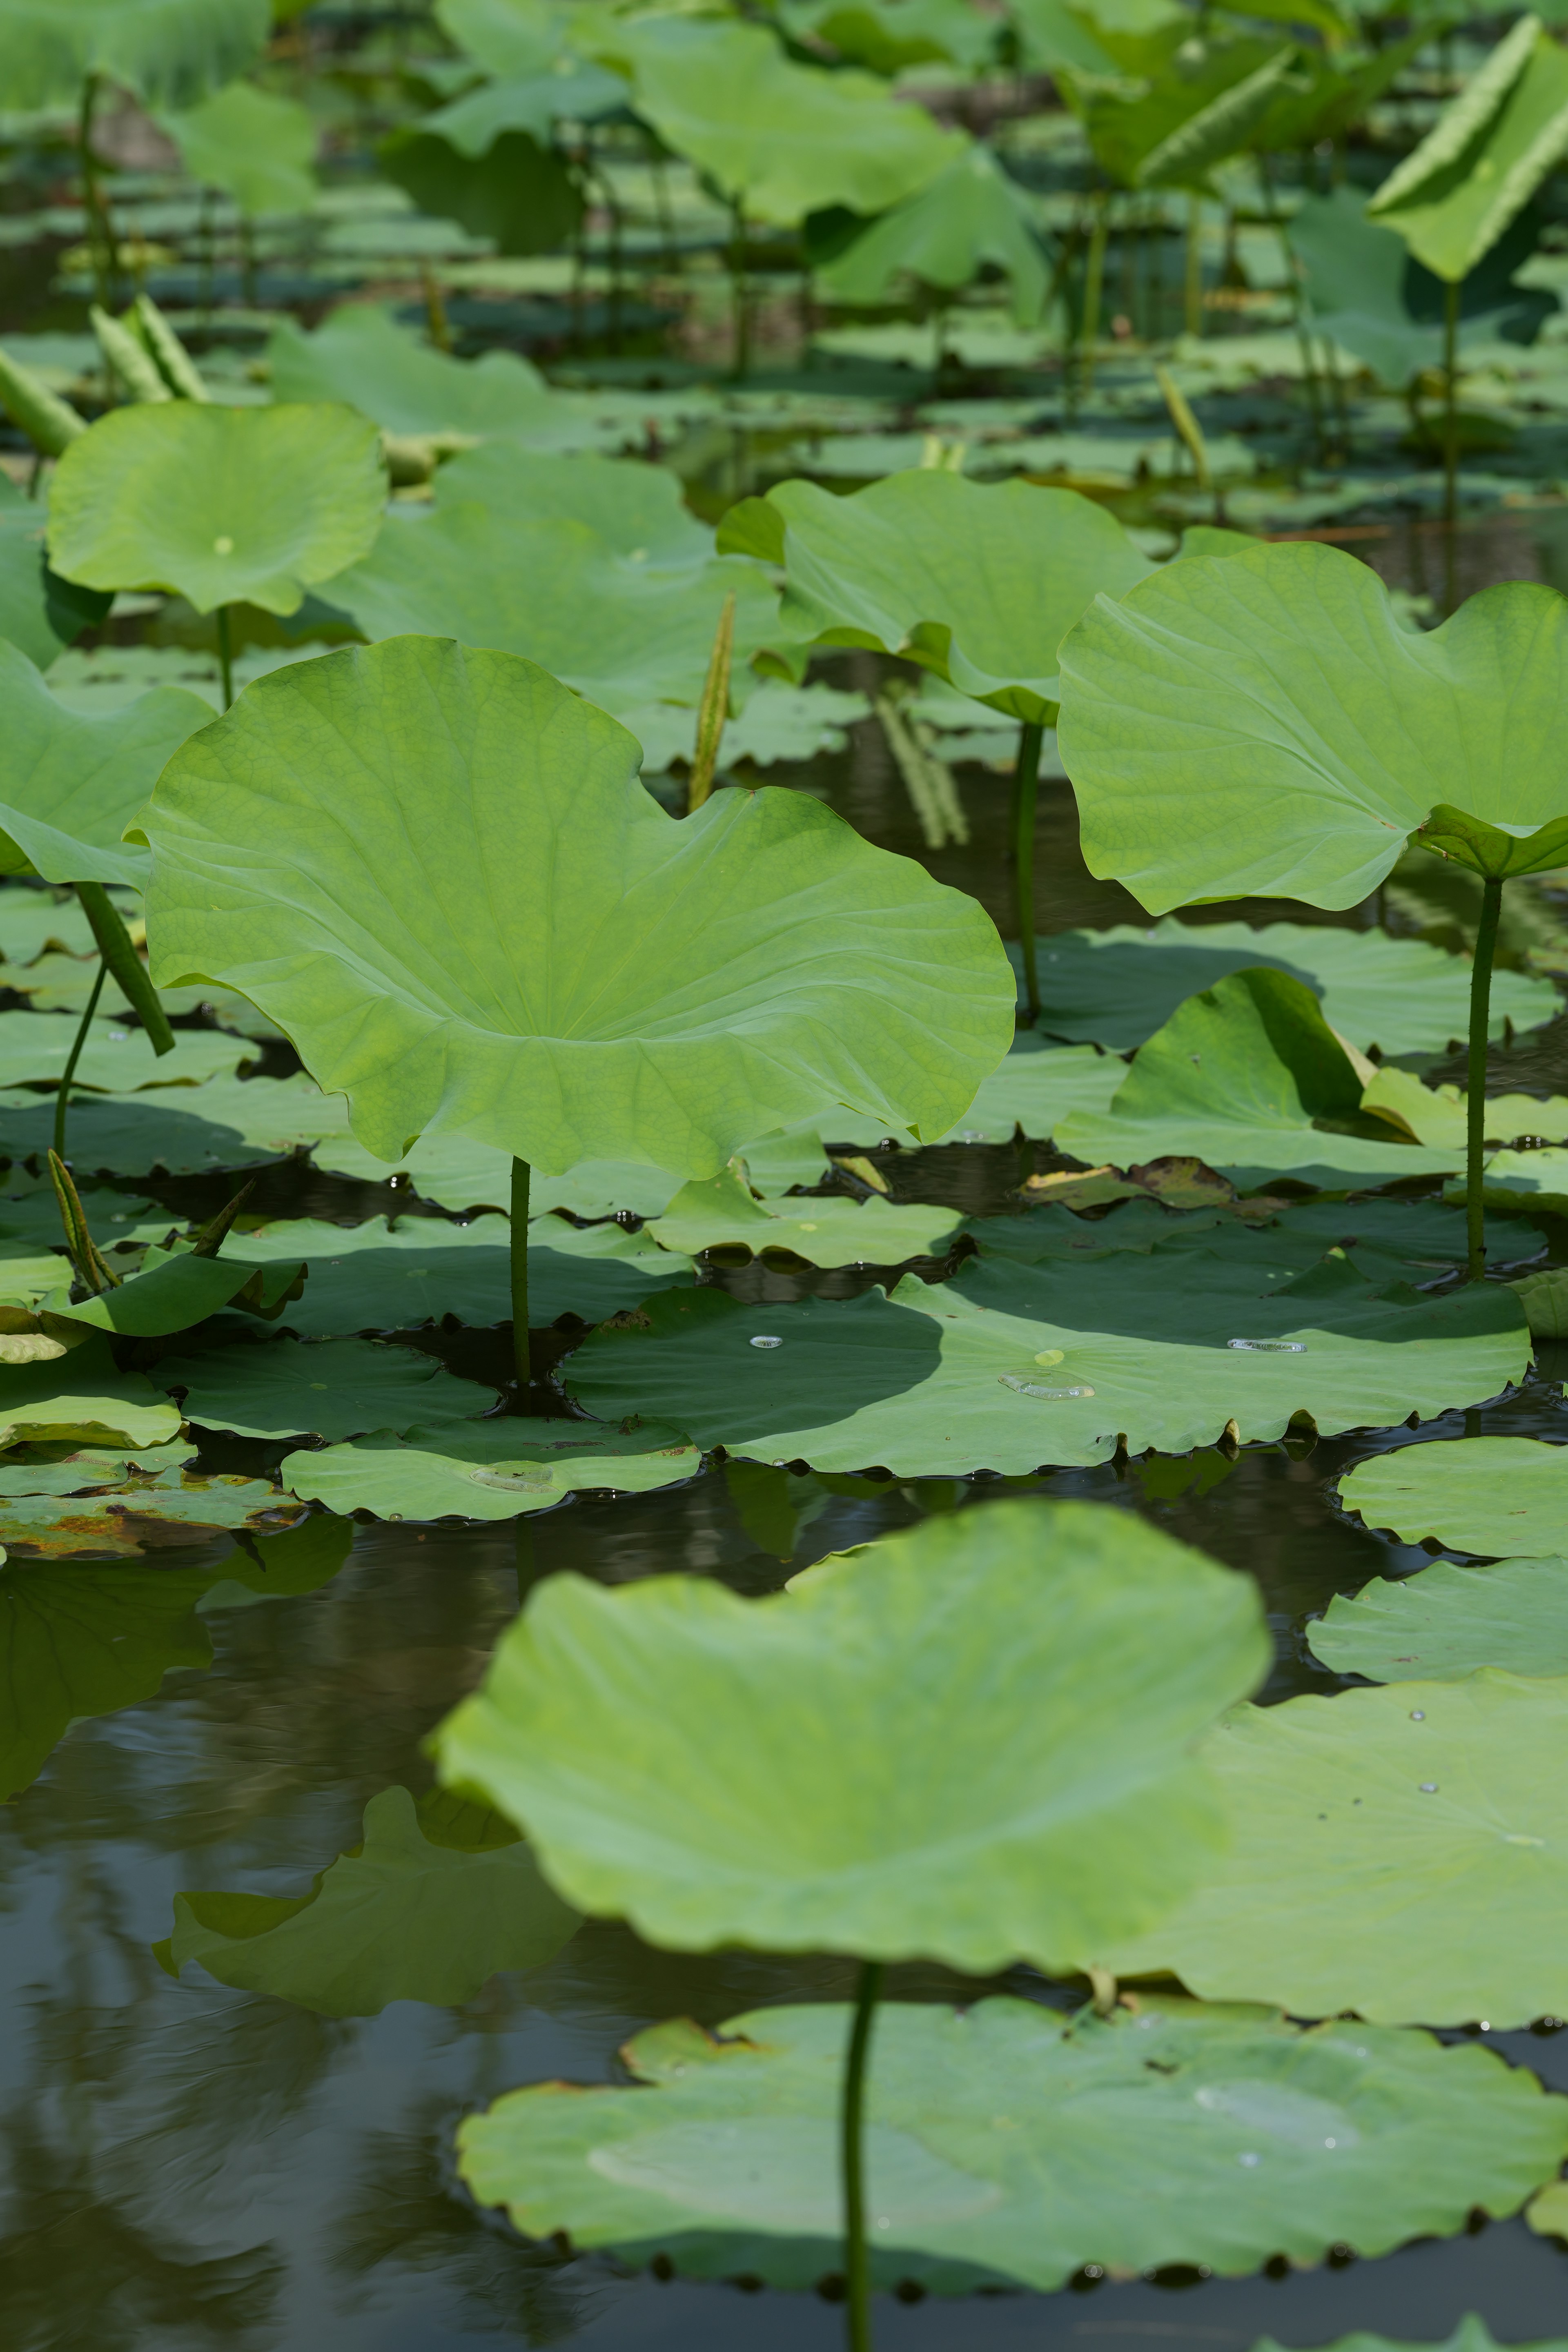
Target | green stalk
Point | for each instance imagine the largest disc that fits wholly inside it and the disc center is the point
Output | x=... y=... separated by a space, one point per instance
x=852 y=2147
x=1476 y=1098
x=225 y=656
x=1450 y=435
x=743 y=358
x=121 y=958
x=91 y=193
x=520 y=1174
x=1193 y=304
x=1094 y=279
x=1026 y=782
x=63 y=1097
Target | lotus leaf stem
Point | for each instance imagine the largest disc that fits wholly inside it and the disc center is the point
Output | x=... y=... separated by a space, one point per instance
x=1450 y=417
x=1026 y=781
x=1193 y=305
x=520 y=1174
x=120 y=959
x=852 y=2145
x=741 y=364
x=62 y=1099
x=98 y=230
x=225 y=656
x=1093 y=281
x=1476 y=1091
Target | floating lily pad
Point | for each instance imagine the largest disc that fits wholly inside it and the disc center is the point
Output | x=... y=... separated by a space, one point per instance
x=1439 y=1114
x=1032 y=1093
x=173 y=1290
x=35 y=1046
x=1397 y=1852
x=175 y=1506
x=489 y=1470
x=1521 y=1182
x=1115 y=988
x=454 y=1172
x=801 y=1154
x=721 y=1212
x=328 y=1388
x=1449 y=1619
x=779 y=722
x=1503 y=1496
x=181 y=1131
x=1072 y=1654
x=32 y=921
x=437 y=1898
x=929 y=1383
x=83 y=1399
x=1004 y=2139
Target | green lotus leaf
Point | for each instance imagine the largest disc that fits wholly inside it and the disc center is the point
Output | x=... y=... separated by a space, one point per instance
x=1059 y=1798
x=173 y=1290
x=1436 y=1115
x=1249 y=1077
x=82 y=1400
x=1452 y=198
x=328 y=1388
x=1449 y=1619
x=39 y=611
x=1032 y=1093
x=520 y=193
x=636 y=508
x=361 y=357
x=970 y=215
x=374 y=1277
x=554 y=590
x=257 y=148
x=888 y=35
x=489 y=1470
x=931 y=1383
x=33 y=922
x=1115 y=988
x=1001 y=2140
x=168 y=51
x=1472 y=2335
x=778 y=139
x=532 y=103
x=1054 y=38
x=642 y=987
x=1201 y=107
x=414 y=1913
x=798 y=1155
x=503 y=36
x=723 y=1212
x=1501 y=1497
x=182 y=1130
x=455 y=1172
x=144 y=1514
x=1395 y=1851
x=218 y=504
x=1264 y=724
x=35 y=1046
x=980 y=585
x=70 y=786
x=779 y=722
x=1521 y=1182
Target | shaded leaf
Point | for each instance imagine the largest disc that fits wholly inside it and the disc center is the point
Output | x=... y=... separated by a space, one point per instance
x=257 y=148
x=330 y=1388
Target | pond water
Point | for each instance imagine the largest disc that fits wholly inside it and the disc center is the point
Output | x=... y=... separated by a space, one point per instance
x=187 y=2166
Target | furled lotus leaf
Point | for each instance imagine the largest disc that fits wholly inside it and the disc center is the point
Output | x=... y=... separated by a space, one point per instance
x=972 y=214
x=35 y=1046
x=168 y=51
x=83 y=1399
x=437 y=1899
x=641 y=986
x=930 y=1383
x=217 y=505
x=634 y=508
x=1061 y=1799
x=1449 y=1619
x=361 y=357
x=257 y=148
x=721 y=1212
x=175 y=1507
x=185 y=1130
x=1032 y=1093
x=999 y=2140
x=39 y=611
x=326 y=1387
x=1395 y=1851
x=1505 y=1497
x=1263 y=724
x=489 y=1470
x=979 y=584
x=1115 y=988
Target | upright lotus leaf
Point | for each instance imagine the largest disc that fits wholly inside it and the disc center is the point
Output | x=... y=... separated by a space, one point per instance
x=972 y=214
x=649 y=1738
x=1452 y=198
x=889 y=35
x=503 y=36
x=436 y=1898
x=361 y=357
x=1449 y=1619
x=1202 y=108
x=519 y=192
x=1397 y=1852
x=218 y=504
x=1505 y=1497
x=639 y=986
x=257 y=149
x=538 y=79
x=1006 y=2140
x=636 y=509
x=778 y=140
x=169 y=52
x=554 y=590
x=39 y=611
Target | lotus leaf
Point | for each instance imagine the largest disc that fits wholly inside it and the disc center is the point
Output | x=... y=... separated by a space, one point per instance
x=1206 y=103
x=519 y=193
x=173 y=1290
x=1249 y=1077
x=1005 y=2141
x=636 y=508
x=455 y=1172
x=971 y=213
x=888 y=35
x=32 y=921
x=361 y=357
x=722 y=1213
x=184 y=1130
x=326 y=1387
x=35 y=1046
x=799 y=1155
x=1115 y=988
x=531 y=102
x=83 y=1399
x=553 y=590
x=489 y=1470
x=777 y=139
x=1438 y=1114
x=39 y=611
x=1032 y=1093
x=1449 y=1619
x=1073 y=1656
x=218 y=504
x=504 y=36
x=168 y=51
x=1395 y=1851
x=930 y=1383
x=144 y=1514
x=642 y=985
x=1495 y=1496
x=779 y=722
x=1523 y=1183
x=1263 y=724
x=259 y=149
x=1471 y=2335
x=426 y=1908
x=980 y=585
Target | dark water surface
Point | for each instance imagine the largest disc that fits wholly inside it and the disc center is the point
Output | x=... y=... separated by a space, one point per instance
x=188 y=2167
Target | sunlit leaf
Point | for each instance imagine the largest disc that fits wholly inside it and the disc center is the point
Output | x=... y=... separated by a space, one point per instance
x=170 y=52
x=1500 y=1497
x=1449 y=1619
x=489 y=1470
x=721 y=1212
x=257 y=148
